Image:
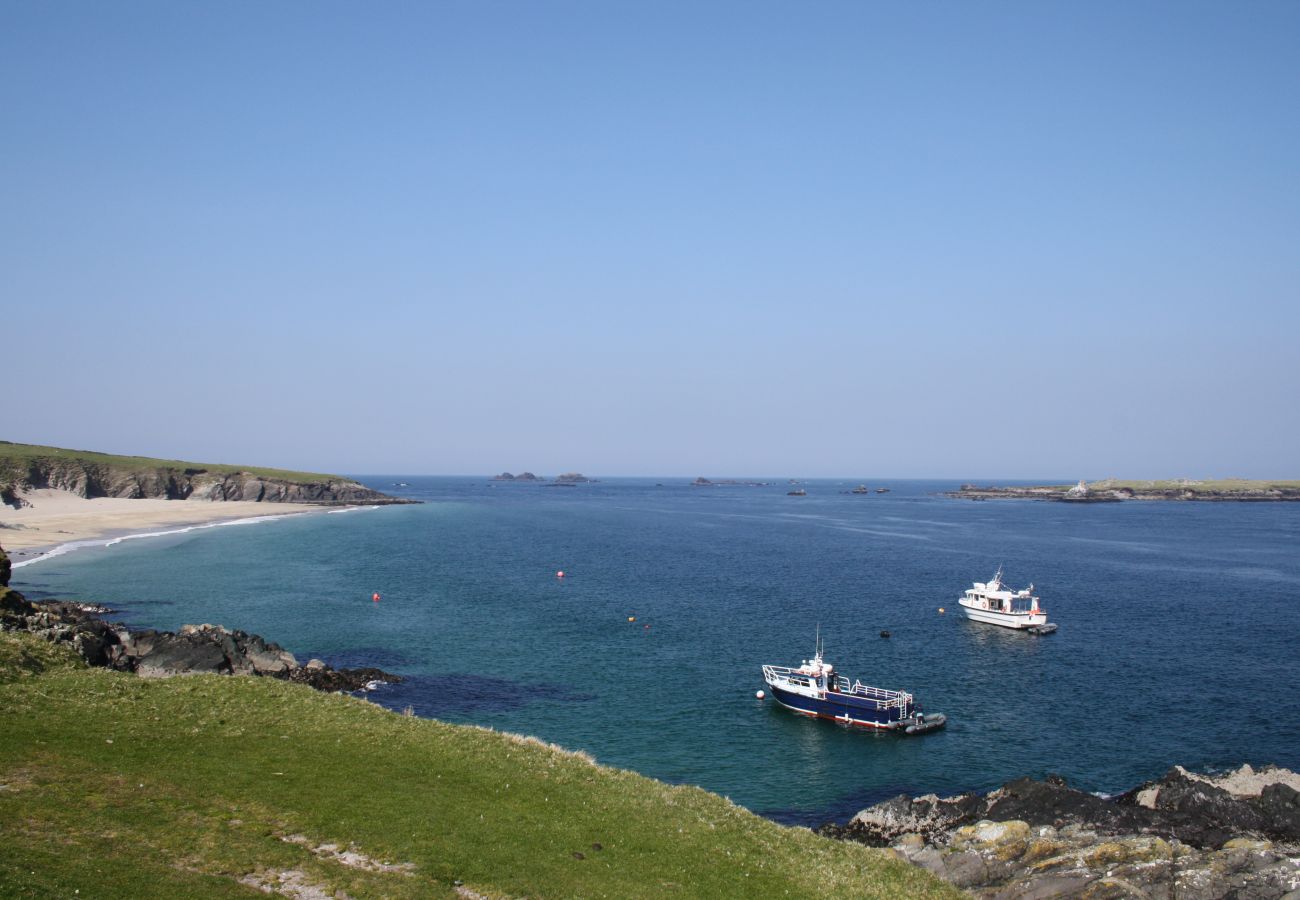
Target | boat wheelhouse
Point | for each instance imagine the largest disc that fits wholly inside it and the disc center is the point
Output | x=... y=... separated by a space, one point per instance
x=997 y=604
x=814 y=689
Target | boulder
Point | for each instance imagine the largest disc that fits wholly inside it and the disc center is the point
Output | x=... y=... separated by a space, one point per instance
x=327 y=679
x=179 y=654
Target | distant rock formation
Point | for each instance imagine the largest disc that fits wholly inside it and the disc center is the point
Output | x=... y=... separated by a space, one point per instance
x=1184 y=835
x=572 y=478
x=725 y=482
x=522 y=476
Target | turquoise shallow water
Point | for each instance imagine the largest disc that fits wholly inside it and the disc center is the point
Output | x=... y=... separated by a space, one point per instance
x=1178 y=641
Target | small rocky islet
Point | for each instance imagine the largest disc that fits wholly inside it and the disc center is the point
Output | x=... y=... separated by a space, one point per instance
x=565 y=478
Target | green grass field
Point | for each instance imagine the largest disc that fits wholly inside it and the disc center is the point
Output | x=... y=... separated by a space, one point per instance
x=113 y=786
x=19 y=456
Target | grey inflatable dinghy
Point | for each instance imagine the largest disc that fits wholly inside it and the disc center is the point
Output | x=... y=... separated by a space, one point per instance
x=921 y=723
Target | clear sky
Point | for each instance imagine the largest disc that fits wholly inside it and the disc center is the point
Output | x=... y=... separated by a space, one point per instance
x=769 y=238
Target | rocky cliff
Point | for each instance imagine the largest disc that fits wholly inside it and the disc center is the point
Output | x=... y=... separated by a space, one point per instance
x=89 y=478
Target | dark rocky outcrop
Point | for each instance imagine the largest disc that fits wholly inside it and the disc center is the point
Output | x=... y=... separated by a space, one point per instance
x=572 y=478
x=195 y=649
x=1185 y=835
x=323 y=678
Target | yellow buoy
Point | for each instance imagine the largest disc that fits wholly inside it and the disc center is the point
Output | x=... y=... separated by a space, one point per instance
x=941 y=610
x=631 y=618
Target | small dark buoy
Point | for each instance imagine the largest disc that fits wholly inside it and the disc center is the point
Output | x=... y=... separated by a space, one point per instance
x=884 y=634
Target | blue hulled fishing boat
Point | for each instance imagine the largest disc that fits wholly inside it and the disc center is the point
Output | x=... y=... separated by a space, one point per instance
x=814 y=689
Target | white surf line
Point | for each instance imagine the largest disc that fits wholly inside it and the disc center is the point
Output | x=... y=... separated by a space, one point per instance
x=109 y=542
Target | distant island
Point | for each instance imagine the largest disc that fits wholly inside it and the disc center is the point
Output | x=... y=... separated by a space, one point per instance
x=728 y=482
x=1111 y=490
x=568 y=478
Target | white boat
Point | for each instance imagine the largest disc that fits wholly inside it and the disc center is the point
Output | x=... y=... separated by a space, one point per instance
x=997 y=604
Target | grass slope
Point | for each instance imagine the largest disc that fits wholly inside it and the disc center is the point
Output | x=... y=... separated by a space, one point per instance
x=19 y=456
x=113 y=785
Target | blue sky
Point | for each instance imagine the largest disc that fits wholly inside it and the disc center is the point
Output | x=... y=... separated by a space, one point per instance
x=945 y=239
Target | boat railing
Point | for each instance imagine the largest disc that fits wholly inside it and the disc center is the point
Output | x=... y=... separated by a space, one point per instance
x=842 y=685
x=880 y=695
x=785 y=673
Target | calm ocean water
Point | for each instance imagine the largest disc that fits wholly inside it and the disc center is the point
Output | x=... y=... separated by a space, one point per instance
x=1178 y=641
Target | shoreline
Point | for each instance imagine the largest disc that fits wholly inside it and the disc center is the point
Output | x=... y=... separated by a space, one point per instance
x=59 y=523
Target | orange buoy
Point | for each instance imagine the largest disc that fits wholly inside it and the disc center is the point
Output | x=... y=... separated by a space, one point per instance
x=375 y=597
x=631 y=618
x=941 y=610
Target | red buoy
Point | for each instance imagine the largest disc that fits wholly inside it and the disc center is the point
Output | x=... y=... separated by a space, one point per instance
x=375 y=597
x=559 y=574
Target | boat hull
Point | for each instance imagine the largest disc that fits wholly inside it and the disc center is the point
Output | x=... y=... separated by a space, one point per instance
x=1005 y=620
x=840 y=708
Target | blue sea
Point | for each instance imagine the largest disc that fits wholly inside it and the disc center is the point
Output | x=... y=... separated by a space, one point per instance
x=1179 y=625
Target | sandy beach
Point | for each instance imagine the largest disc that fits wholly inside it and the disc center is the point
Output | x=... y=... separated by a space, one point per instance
x=60 y=517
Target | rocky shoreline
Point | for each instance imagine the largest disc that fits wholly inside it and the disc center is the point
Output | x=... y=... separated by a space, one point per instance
x=1184 y=835
x=195 y=649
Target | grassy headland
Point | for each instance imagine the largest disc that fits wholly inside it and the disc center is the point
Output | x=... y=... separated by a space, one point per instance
x=27 y=467
x=17 y=458
x=114 y=785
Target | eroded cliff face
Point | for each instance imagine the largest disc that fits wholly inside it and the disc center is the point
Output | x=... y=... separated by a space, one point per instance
x=89 y=479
